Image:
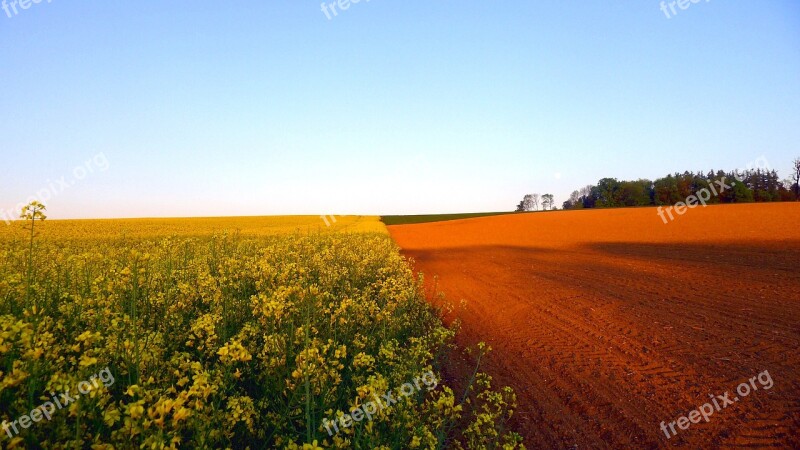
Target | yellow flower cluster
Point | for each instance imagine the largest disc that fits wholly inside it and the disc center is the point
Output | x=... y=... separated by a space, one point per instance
x=233 y=352
x=225 y=340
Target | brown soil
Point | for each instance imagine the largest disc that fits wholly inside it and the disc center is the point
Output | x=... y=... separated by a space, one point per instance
x=608 y=322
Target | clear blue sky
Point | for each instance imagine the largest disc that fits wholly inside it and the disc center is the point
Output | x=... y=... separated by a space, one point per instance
x=268 y=107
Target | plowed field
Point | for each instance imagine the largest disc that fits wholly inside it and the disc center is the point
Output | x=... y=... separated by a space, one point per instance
x=608 y=322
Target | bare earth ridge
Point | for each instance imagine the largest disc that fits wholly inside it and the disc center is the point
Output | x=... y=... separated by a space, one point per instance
x=608 y=322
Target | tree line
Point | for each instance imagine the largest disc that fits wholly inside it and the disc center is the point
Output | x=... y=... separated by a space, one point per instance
x=751 y=185
x=531 y=202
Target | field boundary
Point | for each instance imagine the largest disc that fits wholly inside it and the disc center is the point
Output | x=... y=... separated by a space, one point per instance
x=427 y=218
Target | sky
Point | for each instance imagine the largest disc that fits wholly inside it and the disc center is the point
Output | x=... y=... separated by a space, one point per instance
x=175 y=109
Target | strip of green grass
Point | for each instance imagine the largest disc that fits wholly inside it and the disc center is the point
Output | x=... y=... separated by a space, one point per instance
x=425 y=218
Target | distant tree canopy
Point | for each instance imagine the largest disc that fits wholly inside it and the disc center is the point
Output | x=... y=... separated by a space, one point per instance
x=796 y=178
x=531 y=202
x=526 y=204
x=752 y=185
x=547 y=202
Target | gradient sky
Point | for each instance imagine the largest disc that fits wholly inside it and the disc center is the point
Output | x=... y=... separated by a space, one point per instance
x=267 y=107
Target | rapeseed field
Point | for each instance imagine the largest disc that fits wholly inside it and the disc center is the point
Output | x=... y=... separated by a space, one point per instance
x=226 y=333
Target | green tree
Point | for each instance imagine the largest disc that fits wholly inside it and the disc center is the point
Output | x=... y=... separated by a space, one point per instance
x=608 y=193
